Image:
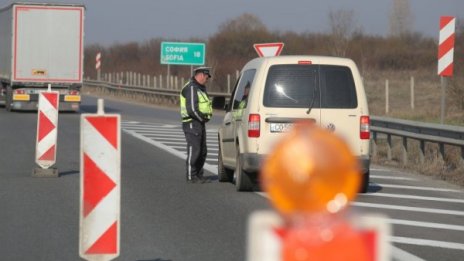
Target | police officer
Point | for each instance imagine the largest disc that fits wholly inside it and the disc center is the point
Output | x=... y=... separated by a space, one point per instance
x=196 y=109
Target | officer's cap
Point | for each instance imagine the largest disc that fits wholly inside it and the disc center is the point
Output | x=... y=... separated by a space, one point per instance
x=205 y=70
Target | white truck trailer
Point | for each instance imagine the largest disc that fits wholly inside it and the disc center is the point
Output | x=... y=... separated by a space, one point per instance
x=41 y=44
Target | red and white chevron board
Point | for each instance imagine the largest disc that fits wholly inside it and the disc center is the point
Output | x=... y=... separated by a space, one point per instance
x=47 y=123
x=100 y=186
x=446 y=46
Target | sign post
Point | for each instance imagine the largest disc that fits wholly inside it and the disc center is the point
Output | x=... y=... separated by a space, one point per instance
x=445 y=56
x=268 y=49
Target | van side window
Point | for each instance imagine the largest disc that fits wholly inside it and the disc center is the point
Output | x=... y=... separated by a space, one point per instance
x=338 y=90
x=242 y=90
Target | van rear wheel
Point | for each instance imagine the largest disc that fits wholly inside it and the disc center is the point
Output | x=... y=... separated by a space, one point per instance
x=364 y=182
x=243 y=181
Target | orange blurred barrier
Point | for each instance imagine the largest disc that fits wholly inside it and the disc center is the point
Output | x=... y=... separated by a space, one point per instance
x=311 y=177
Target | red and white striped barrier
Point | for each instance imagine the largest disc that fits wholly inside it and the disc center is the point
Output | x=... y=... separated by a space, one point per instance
x=267 y=231
x=47 y=128
x=98 y=61
x=446 y=46
x=100 y=185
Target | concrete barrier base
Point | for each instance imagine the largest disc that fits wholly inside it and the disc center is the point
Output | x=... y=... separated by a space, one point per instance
x=45 y=173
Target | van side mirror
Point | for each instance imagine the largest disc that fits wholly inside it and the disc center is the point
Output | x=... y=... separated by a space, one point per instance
x=219 y=102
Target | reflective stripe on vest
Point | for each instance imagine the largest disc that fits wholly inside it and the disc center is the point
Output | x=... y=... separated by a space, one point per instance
x=204 y=105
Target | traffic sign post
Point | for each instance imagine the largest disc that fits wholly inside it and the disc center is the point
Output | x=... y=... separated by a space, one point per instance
x=445 y=56
x=47 y=132
x=100 y=187
x=182 y=53
x=268 y=49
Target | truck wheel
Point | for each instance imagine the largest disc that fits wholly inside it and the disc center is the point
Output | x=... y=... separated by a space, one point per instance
x=224 y=174
x=243 y=182
x=364 y=183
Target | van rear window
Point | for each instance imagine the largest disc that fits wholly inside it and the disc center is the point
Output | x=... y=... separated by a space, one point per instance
x=301 y=85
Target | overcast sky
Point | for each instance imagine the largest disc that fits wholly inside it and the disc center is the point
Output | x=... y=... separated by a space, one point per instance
x=120 y=21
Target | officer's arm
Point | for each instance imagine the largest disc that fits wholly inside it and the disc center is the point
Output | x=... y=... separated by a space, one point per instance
x=191 y=103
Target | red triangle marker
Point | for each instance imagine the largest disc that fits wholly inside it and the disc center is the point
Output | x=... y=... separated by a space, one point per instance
x=96 y=185
x=107 y=243
x=107 y=126
x=52 y=98
x=49 y=154
x=45 y=126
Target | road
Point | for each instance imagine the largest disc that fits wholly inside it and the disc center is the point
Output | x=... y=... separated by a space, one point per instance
x=165 y=219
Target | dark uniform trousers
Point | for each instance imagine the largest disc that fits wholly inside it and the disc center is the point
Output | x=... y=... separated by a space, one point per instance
x=195 y=134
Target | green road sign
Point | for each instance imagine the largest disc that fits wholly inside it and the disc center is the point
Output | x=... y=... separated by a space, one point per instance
x=183 y=53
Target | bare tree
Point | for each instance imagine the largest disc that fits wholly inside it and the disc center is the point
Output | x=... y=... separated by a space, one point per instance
x=342 y=26
x=401 y=19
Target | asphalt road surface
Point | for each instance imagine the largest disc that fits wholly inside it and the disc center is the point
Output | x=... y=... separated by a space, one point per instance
x=165 y=219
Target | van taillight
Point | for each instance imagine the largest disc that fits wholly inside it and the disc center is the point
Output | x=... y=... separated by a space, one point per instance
x=364 y=124
x=253 y=125
x=305 y=62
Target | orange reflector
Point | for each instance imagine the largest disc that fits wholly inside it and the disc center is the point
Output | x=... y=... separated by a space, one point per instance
x=311 y=170
x=72 y=98
x=21 y=97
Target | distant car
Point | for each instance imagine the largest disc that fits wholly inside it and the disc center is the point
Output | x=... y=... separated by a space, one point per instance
x=274 y=92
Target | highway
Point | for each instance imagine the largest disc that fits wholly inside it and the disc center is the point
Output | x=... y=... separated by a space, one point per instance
x=165 y=219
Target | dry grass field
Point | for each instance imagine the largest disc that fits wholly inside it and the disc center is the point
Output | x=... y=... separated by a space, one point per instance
x=427 y=108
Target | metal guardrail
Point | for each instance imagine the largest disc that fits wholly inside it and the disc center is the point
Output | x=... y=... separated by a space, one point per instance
x=422 y=132
x=404 y=129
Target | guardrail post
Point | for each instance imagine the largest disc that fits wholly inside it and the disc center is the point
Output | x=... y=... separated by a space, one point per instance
x=441 y=151
x=389 y=147
x=422 y=152
x=405 y=151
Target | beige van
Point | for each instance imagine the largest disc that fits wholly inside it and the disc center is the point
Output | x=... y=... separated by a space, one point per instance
x=274 y=92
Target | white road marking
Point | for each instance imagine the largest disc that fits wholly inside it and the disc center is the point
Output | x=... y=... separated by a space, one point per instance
x=426 y=242
x=391 y=177
x=412 y=223
x=405 y=208
x=414 y=197
x=417 y=188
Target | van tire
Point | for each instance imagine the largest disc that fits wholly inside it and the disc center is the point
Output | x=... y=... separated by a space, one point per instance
x=224 y=174
x=243 y=182
x=364 y=183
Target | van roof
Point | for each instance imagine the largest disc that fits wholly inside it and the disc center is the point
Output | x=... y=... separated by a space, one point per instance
x=313 y=59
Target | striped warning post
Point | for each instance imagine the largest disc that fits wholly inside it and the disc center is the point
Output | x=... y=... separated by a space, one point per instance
x=98 y=61
x=100 y=186
x=446 y=46
x=47 y=129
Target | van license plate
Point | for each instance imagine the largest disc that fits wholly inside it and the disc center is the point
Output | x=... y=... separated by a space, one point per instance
x=281 y=127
